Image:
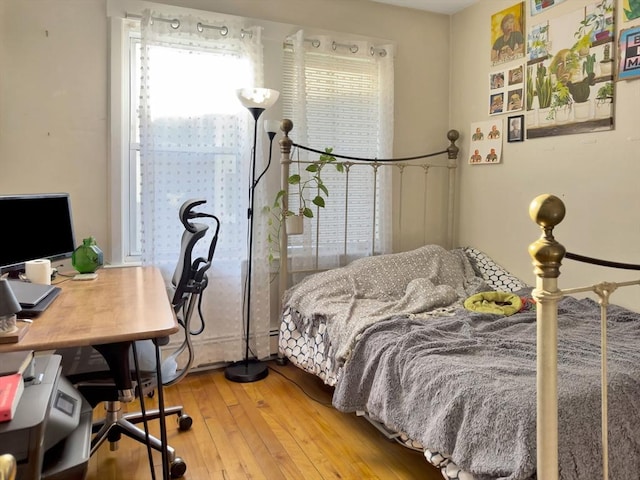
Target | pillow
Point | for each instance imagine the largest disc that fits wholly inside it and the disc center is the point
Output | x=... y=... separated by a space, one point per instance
x=493 y=274
x=498 y=303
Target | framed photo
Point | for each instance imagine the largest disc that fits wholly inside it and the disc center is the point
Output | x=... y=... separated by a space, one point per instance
x=515 y=125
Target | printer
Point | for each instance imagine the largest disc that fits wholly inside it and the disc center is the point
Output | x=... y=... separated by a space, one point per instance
x=50 y=433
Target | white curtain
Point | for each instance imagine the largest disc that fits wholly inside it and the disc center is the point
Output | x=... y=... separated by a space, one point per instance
x=195 y=142
x=340 y=94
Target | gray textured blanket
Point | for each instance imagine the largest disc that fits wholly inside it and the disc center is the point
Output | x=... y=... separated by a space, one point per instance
x=377 y=288
x=465 y=386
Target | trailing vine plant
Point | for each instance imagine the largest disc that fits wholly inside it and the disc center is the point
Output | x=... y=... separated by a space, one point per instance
x=311 y=191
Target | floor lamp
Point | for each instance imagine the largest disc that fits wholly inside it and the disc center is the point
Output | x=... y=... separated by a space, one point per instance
x=256 y=100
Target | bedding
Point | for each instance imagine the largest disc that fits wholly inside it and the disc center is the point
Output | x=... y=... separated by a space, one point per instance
x=467 y=386
x=479 y=366
x=373 y=289
x=305 y=342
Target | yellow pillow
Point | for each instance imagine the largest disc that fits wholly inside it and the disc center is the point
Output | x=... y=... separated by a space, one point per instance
x=500 y=303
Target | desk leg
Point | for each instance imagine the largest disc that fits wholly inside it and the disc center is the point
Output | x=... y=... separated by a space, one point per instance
x=161 y=419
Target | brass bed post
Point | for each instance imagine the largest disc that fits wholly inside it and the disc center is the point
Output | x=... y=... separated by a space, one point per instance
x=547 y=254
x=452 y=154
x=285 y=161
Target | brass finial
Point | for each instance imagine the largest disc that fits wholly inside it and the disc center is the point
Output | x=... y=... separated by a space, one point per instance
x=286 y=126
x=452 y=149
x=547 y=254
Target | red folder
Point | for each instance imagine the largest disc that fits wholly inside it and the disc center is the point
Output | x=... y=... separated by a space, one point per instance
x=11 y=388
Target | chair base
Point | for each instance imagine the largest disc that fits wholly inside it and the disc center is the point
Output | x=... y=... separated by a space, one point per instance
x=116 y=424
x=246 y=371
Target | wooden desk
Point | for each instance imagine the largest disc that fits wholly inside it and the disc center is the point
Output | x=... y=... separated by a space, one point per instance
x=120 y=306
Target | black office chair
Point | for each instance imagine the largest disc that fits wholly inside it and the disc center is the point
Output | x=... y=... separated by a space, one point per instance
x=117 y=383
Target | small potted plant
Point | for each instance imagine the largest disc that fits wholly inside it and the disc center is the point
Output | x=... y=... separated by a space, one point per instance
x=596 y=25
x=604 y=100
x=544 y=92
x=311 y=191
x=560 y=103
x=606 y=64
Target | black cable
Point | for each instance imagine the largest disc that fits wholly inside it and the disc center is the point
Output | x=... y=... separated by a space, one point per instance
x=324 y=404
x=602 y=263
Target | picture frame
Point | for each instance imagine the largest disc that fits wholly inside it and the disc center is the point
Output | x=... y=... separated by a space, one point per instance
x=515 y=128
x=628 y=48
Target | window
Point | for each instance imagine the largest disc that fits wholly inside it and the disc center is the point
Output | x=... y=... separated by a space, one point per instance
x=178 y=132
x=178 y=141
x=341 y=96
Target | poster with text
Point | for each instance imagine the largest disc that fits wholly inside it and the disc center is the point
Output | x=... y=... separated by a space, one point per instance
x=629 y=51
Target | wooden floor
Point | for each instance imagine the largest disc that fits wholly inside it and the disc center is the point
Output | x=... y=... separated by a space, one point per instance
x=282 y=427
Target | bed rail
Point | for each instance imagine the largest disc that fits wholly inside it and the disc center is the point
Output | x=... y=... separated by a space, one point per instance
x=352 y=166
x=547 y=254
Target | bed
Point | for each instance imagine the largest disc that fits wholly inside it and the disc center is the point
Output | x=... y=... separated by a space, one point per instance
x=476 y=391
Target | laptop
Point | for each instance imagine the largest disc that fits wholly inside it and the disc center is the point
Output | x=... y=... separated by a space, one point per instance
x=34 y=298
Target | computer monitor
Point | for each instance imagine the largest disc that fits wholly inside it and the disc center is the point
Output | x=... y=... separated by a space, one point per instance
x=35 y=226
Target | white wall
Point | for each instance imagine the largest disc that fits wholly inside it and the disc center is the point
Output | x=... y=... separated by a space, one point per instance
x=53 y=94
x=595 y=174
x=54 y=85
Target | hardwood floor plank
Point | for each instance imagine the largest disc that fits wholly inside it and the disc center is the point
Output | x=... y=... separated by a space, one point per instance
x=282 y=427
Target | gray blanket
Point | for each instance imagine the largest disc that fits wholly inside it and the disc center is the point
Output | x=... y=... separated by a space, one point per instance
x=466 y=386
x=372 y=289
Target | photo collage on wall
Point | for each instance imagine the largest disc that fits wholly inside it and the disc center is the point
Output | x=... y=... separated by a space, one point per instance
x=506 y=85
x=486 y=142
x=506 y=90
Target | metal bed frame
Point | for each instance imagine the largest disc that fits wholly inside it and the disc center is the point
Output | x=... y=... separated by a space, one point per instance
x=400 y=168
x=547 y=254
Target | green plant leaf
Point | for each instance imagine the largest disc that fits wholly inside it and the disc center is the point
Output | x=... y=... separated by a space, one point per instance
x=307 y=212
x=319 y=201
x=312 y=168
x=340 y=167
x=322 y=187
x=294 y=179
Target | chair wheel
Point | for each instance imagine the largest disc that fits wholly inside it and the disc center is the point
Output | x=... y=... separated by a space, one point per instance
x=178 y=468
x=184 y=422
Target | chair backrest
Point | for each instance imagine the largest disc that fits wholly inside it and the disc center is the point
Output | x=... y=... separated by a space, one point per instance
x=190 y=275
x=189 y=280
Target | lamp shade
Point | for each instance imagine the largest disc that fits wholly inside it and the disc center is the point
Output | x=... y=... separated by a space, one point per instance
x=257 y=97
x=271 y=126
x=8 y=302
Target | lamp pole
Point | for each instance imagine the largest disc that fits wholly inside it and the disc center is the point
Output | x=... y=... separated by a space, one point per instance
x=251 y=369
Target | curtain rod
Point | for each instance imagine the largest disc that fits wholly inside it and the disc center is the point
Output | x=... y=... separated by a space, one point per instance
x=175 y=24
x=353 y=48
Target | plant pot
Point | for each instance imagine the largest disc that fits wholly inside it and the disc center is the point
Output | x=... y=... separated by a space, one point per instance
x=603 y=108
x=563 y=114
x=543 y=117
x=606 y=68
x=294 y=224
x=581 y=111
